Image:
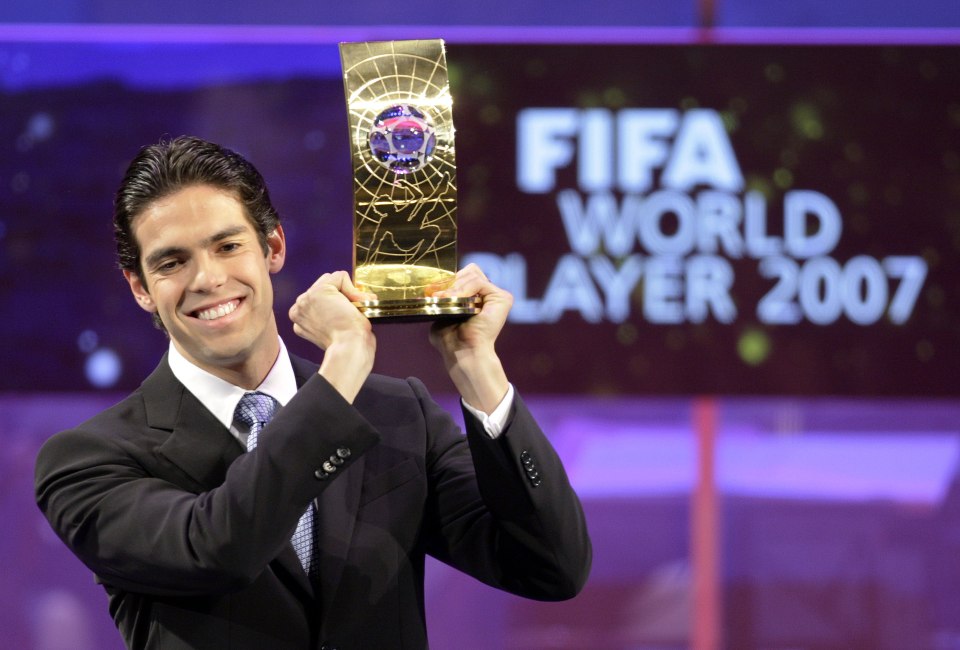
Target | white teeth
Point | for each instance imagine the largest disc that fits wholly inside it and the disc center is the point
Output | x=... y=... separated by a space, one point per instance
x=219 y=311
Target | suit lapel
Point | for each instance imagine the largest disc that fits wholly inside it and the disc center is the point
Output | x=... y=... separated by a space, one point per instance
x=203 y=449
x=337 y=510
x=198 y=444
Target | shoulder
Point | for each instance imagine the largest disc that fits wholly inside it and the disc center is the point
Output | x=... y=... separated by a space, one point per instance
x=377 y=387
x=131 y=424
x=390 y=403
x=108 y=427
x=411 y=389
x=114 y=438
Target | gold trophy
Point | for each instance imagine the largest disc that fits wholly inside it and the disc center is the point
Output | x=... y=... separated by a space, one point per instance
x=404 y=179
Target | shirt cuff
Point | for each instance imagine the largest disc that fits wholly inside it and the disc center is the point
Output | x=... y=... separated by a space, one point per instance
x=494 y=423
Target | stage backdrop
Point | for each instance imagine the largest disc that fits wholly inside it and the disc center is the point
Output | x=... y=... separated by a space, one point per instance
x=775 y=225
x=671 y=220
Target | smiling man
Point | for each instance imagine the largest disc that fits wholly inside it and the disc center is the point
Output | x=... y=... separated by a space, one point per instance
x=244 y=497
x=206 y=275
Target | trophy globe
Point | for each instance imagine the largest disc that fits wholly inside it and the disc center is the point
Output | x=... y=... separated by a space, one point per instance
x=402 y=139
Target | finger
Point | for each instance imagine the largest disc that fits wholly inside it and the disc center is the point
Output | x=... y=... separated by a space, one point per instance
x=469 y=281
x=341 y=282
x=351 y=291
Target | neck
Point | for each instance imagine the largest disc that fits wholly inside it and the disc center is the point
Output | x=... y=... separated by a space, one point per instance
x=248 y=368
x=249 y=374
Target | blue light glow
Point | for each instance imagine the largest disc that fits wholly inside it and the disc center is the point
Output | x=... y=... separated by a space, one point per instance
x=103 y=368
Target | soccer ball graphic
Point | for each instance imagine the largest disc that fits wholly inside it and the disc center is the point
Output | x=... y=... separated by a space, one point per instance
x=402 y=139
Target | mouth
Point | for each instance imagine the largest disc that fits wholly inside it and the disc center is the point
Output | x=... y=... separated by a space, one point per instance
x=216 y=312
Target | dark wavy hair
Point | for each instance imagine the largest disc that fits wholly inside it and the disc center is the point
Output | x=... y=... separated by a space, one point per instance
x=167 y=167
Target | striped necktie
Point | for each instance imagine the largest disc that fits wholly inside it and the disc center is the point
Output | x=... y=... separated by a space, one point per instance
x=255 y=410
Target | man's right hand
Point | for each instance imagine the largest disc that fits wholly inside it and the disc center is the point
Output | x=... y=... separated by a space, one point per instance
x=325 y=316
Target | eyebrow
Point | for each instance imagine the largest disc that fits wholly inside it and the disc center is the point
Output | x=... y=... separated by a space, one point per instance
x=172 y=251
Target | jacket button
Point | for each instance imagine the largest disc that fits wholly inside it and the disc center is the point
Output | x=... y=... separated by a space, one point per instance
x=321 y=475
x=336 y=460
x=343 y=452
x=329 y=467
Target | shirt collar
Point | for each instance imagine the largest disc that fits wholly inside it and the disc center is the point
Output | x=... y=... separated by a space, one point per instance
x=221 y=397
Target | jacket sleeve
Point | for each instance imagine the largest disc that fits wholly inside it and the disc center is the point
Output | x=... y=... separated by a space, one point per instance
x=141 y=529
x=504 y=511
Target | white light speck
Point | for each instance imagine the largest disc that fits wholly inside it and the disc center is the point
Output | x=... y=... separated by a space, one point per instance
x=103 y=368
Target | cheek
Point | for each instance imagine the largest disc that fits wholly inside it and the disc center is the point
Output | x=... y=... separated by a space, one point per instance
x=166 y=296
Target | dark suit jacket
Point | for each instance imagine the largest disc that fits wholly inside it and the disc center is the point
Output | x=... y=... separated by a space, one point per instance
x=190 y=536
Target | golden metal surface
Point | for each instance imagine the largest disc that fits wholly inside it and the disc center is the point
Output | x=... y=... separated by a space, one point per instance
x=405 y=192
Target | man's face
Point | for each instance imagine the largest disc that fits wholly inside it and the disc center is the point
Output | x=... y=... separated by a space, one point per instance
x=206 y=275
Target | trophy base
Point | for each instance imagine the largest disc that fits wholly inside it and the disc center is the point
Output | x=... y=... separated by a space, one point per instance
x=419 y=309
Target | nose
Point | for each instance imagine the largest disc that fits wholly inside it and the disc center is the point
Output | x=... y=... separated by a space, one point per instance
x=209 y=273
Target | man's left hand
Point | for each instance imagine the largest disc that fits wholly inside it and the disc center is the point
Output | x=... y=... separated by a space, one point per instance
x=467 y=346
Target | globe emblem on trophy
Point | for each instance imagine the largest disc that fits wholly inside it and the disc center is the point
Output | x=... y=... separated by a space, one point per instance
x=402 y=139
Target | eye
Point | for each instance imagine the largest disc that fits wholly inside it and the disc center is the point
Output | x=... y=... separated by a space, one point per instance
x=168 y=266
x=229 y=247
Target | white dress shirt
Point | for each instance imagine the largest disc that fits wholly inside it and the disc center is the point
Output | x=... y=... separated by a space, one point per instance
x=221 y=397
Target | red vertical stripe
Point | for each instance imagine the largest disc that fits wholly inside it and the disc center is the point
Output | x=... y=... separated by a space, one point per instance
x=705 y=624
x=706 y=10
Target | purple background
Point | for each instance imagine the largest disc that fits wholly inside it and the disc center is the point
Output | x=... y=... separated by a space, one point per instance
x=839 y=511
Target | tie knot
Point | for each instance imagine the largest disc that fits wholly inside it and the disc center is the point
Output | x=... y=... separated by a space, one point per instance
x=255 y=409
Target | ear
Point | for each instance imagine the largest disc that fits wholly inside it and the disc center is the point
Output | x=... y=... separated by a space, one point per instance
x=140 y=293
x=276 y=249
